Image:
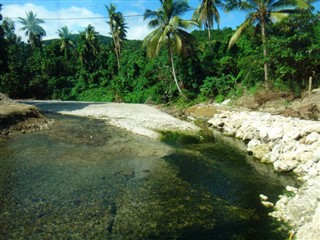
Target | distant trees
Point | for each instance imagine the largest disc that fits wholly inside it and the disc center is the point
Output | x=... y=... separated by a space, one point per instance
x=86 y=65
x=32 y=28
x=262 y=13
x=170 y=32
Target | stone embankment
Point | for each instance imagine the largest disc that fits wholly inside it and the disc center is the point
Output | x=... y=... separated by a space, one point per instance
x=290 y=144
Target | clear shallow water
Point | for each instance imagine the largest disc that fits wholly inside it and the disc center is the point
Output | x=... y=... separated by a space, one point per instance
x=83 y=179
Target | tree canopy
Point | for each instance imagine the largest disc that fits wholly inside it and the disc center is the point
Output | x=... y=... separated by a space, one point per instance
x=86 y=65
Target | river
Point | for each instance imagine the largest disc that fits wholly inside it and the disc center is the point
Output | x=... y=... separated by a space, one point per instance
x=85 y=179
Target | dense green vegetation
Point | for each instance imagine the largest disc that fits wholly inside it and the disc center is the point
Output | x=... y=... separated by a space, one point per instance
x=88 y=66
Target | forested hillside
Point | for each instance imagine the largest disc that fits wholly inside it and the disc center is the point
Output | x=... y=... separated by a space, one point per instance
x=88 y=66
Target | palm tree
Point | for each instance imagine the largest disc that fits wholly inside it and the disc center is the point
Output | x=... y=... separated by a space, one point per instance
x=261 y=13
x=31 y=24
x=117 y=30
x=169 y=31
x=89 y=44
x=66 y=40
x=207 y=13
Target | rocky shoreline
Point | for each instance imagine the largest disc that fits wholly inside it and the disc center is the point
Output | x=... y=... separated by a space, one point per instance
x=290 y=144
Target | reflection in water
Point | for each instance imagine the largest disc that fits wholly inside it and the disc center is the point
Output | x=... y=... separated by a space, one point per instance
x=84 y=179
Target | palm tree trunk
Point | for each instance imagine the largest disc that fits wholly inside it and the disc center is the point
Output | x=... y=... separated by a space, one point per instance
x=209 y=36
x=174 y=71
x=265 y=52
x=117 y=54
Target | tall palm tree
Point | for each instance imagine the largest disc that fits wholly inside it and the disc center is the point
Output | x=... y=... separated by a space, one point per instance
x=117 y=30
x=261 y=13
x=31 y=24
x=66 y=40
x=207 y=13
x=169 y=31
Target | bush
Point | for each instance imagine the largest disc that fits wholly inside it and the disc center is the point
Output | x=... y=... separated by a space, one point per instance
x=98 y=94
x=213 y=86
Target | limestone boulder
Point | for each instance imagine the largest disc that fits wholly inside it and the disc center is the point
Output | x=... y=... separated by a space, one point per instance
x=253 y=143
x=285 y=166
x=275 y=133
x=312 y=138
x=311 y=230
x=259 y=151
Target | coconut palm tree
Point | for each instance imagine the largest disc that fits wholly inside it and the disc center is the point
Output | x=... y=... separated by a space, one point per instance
x=207 y=13
x=117 y=30
x=89 y=44
x=32 y=28
x=65 y=40
x=261 y=13
x=169 y=32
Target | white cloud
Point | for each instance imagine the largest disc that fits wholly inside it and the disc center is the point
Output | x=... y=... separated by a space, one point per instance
x=137 y=28
x=51 y=26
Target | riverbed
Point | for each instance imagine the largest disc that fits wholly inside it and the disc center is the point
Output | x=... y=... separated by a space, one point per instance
x=86 y=179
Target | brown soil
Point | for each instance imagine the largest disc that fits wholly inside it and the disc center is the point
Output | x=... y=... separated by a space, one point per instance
x=19 y=118
x=278 y=103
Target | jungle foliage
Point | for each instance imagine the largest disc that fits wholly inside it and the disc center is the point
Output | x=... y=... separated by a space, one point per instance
x=86 y=66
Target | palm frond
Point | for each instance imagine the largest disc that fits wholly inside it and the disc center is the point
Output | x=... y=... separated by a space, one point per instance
x=239 y=5
x=187 y=24
x=180 y=7
x=285 y=4
x=278 y=16
x=151 y=42
x=239 y=31
x=154 y=23
x=150 y=14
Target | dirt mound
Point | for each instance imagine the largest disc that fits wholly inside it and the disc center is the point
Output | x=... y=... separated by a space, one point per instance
x=201 y=111
x=19 y=118
x=282 y=103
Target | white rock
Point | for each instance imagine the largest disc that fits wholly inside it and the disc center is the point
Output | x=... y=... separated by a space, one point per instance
x=262 y=131
x=267 y=204
x=318 y=166
x=312 y=171
x=304 y=156
x=285 y=166
x=312 y=138
x=275 y=133
x=263 y=197
x=291 y=135
x=311 y=230
x=259 y=151
x=291 y=189
x=252 y=144
x=309 y=128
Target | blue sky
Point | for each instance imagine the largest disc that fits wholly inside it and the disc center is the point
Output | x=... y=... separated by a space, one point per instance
x=49 y=9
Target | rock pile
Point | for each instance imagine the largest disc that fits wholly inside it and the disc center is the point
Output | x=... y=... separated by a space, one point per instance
x=290 y=144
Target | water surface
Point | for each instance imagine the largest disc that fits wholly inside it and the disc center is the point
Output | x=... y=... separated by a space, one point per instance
x=84 y=179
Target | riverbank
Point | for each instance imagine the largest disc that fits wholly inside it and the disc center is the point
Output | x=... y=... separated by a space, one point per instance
x=137 y=118
x=18 y=118
x=290 y=144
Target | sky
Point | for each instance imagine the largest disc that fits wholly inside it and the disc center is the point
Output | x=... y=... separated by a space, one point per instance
x=57 y=14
